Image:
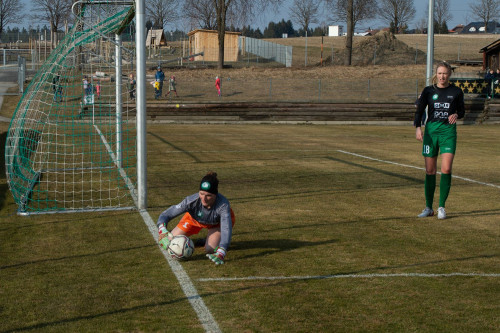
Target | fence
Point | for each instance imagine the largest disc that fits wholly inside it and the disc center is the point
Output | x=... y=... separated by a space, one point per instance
x=235 y=90
x=266 y=50
x=9 y=57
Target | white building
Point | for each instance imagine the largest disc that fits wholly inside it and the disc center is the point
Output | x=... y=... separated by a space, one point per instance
x=335 y=30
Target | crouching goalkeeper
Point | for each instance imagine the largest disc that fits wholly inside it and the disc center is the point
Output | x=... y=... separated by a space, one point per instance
x=207 y=209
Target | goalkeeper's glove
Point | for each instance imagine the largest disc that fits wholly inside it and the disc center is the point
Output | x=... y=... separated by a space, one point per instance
x=164 y=236
x=218 y=256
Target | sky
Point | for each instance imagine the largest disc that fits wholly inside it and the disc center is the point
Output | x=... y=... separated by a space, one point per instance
x=459 y=9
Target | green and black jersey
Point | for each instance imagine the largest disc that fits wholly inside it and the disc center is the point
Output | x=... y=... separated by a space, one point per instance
x=441 y=103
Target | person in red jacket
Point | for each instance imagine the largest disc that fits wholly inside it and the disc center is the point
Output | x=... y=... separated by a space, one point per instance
x=218 y=85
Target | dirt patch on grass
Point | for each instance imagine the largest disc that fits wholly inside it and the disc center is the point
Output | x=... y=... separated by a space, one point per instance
x=385 y=49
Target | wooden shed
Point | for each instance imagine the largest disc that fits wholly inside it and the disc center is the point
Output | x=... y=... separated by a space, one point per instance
x=491 y=54
x=156 y=38
x=206 y=41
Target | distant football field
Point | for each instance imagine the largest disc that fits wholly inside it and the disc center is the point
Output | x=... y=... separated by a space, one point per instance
x=326 y=239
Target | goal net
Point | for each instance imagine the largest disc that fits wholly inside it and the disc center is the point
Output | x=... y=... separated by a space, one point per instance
x=71 y=143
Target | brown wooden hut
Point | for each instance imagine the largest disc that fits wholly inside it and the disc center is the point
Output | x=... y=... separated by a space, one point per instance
x=206 y=41
x=156 y=38
x=491 y=55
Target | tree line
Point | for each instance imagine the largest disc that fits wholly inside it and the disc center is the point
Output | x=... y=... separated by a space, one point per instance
x=220 y=15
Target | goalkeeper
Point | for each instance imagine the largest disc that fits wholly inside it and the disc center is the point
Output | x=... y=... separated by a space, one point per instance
x=207 y=209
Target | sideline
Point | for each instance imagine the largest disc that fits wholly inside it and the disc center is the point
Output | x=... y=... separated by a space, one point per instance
x=350 y=276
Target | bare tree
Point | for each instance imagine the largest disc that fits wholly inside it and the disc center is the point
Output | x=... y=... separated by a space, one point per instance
x=55 y=12
x=362 y=10
x=397 y=13
x=225 y=9
x=350 y=32
x=161 y=12
x=442 y=12
x=485 y=10
x=421 y=25
x=9 y=12
x=200 y=13
x=305 y=12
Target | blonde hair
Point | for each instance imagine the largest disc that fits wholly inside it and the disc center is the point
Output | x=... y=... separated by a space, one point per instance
x=440 y=64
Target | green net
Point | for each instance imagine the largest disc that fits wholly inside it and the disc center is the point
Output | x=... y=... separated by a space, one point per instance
x=71 y=142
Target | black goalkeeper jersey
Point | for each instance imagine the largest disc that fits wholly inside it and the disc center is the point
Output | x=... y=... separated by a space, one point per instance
x=441 y=103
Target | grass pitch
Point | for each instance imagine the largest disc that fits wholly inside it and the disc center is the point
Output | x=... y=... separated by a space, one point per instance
x=325 y=240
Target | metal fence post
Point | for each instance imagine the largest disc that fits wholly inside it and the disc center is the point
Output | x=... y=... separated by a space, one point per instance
x=21 y=73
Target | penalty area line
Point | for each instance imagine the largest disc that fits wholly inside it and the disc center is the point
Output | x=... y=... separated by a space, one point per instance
x=350 y=276
x=414 y=167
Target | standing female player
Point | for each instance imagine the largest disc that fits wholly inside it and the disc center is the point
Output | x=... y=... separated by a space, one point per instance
x=206 y=209
x=445 y=104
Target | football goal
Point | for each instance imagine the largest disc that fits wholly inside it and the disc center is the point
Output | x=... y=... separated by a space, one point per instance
x=71 y=143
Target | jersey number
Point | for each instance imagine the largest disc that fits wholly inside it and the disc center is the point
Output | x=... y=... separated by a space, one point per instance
x=427 y=149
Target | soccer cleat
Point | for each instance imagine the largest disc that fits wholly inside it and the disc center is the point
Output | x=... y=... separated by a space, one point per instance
x=427 y=212
x=441 y=213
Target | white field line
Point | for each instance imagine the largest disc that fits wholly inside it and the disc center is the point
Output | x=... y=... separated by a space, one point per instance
x=414 y=167
x=204 y=314
x=350 y=276
x=365 y=276
x=340 y=151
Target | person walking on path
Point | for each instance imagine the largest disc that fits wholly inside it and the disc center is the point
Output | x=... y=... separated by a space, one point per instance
x=218 y=86
x=57 y=88
x=172 y=86
x=131 y=86
x=159 y=77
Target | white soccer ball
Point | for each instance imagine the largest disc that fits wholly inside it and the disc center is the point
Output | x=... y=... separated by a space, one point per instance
x=181 y=247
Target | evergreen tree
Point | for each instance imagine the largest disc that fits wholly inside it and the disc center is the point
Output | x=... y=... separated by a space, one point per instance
x=444 y=27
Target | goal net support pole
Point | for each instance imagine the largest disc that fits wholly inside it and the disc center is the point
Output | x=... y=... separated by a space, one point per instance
x=140 y=36
x=119 y=109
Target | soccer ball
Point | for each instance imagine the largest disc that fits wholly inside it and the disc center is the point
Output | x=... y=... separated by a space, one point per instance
x=181 y=247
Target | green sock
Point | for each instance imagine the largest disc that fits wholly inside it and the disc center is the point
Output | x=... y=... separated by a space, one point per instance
x=444 y=188
x=430 y=186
